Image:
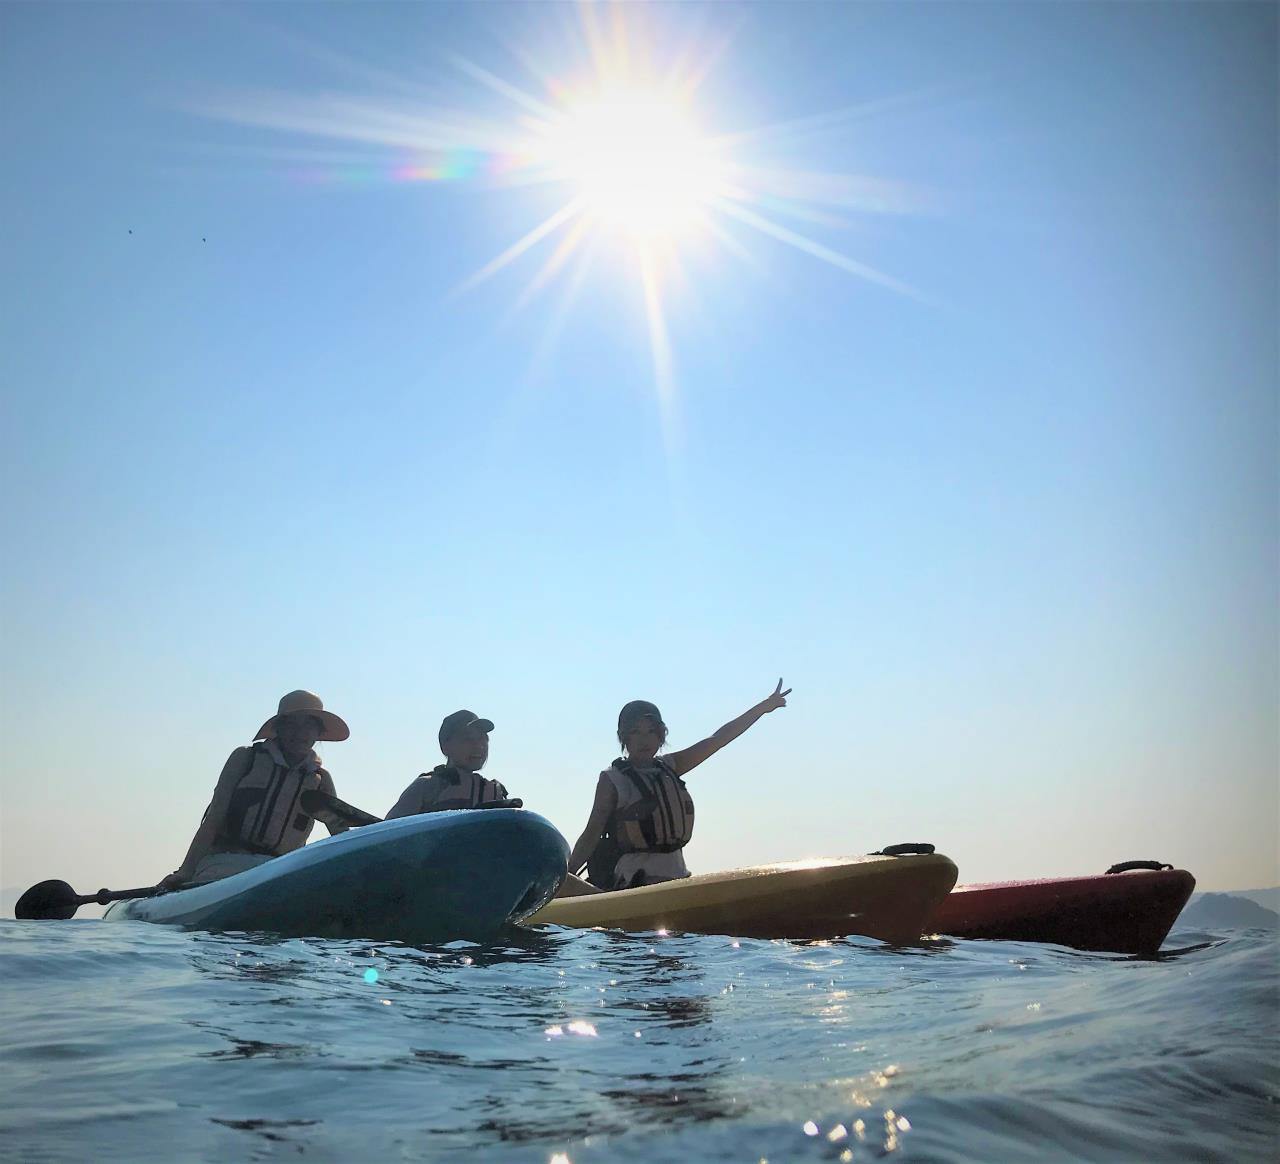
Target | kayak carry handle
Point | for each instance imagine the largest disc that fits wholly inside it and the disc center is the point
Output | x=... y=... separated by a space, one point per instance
x=909 y=849
x=1126 y=866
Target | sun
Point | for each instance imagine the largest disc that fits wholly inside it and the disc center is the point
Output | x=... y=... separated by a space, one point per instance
x=638 y=163
x=610 y=141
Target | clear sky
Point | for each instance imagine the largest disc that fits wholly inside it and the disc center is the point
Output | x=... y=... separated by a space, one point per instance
x=947 y=392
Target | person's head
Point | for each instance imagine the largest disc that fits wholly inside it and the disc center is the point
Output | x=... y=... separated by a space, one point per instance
x=299 y=722
x=641 y=731
x=297 y=733
x=464 y=740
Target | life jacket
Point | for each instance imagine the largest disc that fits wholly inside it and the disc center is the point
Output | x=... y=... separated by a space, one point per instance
x=459 y=789
x=660 y=820
x=264 y=815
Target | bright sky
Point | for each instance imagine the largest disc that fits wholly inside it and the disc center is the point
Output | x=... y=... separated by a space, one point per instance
x=513 y=358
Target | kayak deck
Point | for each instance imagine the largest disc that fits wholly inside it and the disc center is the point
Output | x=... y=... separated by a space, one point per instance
x=437 y=877
x=1126 y=913
x=889 y=898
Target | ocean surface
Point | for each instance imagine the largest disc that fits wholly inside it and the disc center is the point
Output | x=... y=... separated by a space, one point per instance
x=133 y=1042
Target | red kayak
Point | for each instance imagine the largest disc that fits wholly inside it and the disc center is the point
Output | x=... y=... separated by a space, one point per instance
x=1129 y=909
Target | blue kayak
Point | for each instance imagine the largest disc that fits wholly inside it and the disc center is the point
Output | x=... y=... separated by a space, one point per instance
x=436 y=877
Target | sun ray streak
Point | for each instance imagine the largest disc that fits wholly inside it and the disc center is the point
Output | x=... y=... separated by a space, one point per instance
x=354 y=120
x=817 y=250
x=830 y=119
x=659 y=345
x=550 y=341
x=548 y=271
x=516 y=249
x=505 y=88
x=257 y=29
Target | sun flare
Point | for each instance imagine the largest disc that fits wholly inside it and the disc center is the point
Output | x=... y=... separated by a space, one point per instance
x=613 y=135
x=638 y=162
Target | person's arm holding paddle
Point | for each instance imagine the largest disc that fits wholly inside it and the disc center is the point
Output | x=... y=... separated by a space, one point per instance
x=253 y=814
x=202 y=843
x=689 y=758
x=601 y=810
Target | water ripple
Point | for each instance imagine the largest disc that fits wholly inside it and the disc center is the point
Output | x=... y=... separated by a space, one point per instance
x=128 y=1042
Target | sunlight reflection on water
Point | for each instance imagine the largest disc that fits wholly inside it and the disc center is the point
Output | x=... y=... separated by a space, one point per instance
x=595 y=1046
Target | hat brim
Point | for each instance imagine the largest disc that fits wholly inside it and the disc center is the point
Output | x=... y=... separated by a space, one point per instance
x=333 y=727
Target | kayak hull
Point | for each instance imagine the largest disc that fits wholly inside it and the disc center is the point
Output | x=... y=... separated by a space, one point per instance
x=437 y=877
x=1125 y=913
x=889 y=898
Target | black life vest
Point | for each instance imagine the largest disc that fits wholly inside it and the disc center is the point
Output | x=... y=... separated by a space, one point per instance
x=264 y=815
x=459 y=789
x=660 y=820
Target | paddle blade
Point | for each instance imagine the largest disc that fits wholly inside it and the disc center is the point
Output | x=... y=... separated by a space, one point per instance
x=48 y=901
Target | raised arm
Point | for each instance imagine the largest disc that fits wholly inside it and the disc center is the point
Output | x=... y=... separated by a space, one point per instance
x=606 y=801
x=689 y=758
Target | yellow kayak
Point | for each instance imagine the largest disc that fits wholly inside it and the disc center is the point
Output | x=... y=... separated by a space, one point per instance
x=890 y=898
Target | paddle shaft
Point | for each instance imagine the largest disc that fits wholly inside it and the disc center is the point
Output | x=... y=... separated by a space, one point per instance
x=106 y=896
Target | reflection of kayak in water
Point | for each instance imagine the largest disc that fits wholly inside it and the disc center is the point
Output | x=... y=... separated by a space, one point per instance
x=889 y=898
x=1125 y=912
x=430 y=878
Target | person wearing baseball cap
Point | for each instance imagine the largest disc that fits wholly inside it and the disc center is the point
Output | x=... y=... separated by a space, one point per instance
x=642 y=817
x=457 y=783
x=254 y=814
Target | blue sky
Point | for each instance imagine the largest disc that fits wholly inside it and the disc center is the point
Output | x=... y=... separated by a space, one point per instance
x=1011 y=536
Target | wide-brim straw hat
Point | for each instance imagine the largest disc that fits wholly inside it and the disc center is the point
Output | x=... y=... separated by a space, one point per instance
x=332 y=726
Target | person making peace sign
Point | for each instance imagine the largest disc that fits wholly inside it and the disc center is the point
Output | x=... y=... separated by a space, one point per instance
x=642 y=817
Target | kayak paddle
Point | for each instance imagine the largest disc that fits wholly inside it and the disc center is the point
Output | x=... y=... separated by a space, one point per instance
x=326 y=808
x=56 y=900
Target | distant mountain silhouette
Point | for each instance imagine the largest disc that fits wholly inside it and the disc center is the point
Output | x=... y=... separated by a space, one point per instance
x=1270 y=898
x=1227 y=911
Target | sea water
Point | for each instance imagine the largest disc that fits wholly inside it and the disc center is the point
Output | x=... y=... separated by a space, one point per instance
x=132 y=1042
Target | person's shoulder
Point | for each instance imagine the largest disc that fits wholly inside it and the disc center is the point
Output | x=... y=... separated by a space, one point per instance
x=414 y=798
x=236 y=767
x=242 y=756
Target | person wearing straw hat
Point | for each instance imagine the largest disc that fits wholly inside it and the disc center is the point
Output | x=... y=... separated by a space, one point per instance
x=464 y=740
x=254 y=814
